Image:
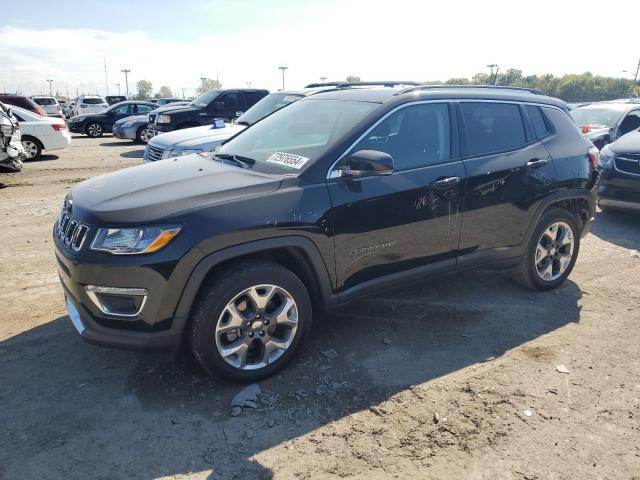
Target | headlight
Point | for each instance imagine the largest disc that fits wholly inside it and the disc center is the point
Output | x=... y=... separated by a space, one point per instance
x=129 y=241
x=164 y=119
x=189 y=151
x=605 y=157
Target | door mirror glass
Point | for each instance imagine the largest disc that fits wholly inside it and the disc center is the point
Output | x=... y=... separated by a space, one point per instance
x=368 y=162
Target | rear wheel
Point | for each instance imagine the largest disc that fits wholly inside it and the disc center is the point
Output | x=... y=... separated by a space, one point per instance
x=551 y=252
x=94 y=130
x=249 y=321
x=32 y=148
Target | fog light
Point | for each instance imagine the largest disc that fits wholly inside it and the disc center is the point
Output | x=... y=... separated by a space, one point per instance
x=118 y=301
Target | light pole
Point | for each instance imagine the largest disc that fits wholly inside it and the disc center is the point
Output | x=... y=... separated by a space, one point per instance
x=118 y=85
x=249 y=84
x=283 y=68
x=126 y=80
x=492 y=66
x=322 y=79
x=635 y=76
x=50 y=91
x=203 y=79
x=183 y=93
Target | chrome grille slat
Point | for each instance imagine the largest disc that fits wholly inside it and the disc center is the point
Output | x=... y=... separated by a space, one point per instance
x=154 y=153
x=628 y=163
x=70 y=231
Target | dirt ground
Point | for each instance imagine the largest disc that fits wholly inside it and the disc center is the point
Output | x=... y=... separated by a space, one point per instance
x=453 y=378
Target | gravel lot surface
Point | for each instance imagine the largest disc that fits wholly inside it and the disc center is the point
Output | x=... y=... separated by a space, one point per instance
x=453 y=378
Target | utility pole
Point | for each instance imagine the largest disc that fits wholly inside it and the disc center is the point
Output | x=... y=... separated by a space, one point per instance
x=492 y=66
x=50 y=91
x=126 y=80
x=183 y=93
x=106 y=82
x=283 y=68
x=118 y=85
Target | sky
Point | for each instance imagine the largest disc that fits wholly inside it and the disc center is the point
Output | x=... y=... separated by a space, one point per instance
x=243 y=42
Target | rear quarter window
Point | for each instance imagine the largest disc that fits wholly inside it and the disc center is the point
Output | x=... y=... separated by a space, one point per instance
x=491 y=127
x=540 y=124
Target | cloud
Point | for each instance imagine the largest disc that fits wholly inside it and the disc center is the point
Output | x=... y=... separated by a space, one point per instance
x=408 y=40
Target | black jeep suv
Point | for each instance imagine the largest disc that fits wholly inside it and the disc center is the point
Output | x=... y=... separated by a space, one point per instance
x=225 y=104
x=340 y=194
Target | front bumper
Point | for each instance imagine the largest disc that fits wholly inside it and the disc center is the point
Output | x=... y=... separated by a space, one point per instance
x=128 y=133
x=154 y=328
x=75 y=127
x=619 y=190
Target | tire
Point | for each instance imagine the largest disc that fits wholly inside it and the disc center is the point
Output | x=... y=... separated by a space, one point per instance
x=213 y=331
x=142 y=135
x=94 y=130
x=554 y=263
x=32 y=147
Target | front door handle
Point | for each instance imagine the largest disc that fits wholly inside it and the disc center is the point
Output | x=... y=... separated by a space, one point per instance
x=446 y=182
x=537 y=163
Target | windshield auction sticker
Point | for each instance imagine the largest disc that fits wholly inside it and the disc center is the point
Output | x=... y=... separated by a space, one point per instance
x=288 y=160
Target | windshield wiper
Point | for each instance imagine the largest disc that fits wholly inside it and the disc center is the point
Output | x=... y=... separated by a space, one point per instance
x=243 y=122
x=244 y=162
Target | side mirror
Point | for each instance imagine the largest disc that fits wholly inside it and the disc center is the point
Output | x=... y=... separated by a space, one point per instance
x=368 y=162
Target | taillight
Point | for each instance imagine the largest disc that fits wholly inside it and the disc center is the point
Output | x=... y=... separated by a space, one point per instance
x=58 y=126
x=41 y=112
x=585 y=128
x=593 y=156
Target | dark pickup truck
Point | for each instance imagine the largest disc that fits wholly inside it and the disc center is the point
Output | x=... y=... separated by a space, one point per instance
x=225 y=104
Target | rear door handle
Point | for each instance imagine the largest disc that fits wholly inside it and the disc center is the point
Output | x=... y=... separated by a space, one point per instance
x=445 y=182
x=537 y=163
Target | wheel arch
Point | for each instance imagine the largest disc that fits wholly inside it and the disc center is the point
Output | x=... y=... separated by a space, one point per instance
x=298 y=254
x=581 y=203
x=33 y=138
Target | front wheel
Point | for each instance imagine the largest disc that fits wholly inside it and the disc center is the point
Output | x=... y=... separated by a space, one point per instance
x=551 y=253
x=249 y=321
x=94 y=130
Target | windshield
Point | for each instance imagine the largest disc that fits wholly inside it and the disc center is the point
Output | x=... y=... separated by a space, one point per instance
x=266 y=106
x=297 y=135
x=205 y=99
x=601 y=116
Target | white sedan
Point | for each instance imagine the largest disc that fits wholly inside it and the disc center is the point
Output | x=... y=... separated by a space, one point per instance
x=41 y=133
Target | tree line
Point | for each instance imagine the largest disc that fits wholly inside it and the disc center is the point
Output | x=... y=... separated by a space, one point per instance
x=584 y=87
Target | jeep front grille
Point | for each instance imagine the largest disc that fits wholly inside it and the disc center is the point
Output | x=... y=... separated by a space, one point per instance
x=70 y=231
x=628 y=163
x=153 y=154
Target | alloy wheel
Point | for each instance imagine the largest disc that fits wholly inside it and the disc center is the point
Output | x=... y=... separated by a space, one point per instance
x=554 y=251
x=257 y=327
x=144 y=135
x=94 y=130
x=30 y=148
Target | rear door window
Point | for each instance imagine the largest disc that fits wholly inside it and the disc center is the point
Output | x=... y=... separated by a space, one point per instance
x=491 y=127
x=253 y=97
x=231 y=101
x=144 y=108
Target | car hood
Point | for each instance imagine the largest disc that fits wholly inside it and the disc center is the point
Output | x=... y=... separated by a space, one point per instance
x=597 y=132
x=178 y=109
x=628 y=143
x=154 y=191
x=133 y=118
x=195 y=136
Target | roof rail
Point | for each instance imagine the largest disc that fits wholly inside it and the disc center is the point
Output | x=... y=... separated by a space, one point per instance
x=488 y=87
x=323 y=84
x=387 y=83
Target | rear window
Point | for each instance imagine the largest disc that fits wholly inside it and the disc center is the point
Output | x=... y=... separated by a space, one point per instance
x=93 y=101
x=492 y=127
x=540 y=125
x=45 y=101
